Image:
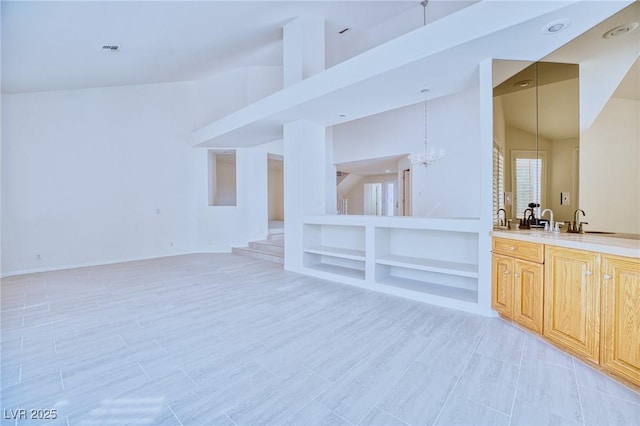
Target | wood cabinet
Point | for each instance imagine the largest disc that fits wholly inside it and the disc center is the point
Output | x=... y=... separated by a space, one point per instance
x=584 y=302
x=621 y=317
x=502 y=288
x=528 y=294
x=517 y=290
x=572 y=301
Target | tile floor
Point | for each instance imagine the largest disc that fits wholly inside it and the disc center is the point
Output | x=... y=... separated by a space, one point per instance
x=227 y=340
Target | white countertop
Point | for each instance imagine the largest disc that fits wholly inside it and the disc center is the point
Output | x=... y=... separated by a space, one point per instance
x=591 y=242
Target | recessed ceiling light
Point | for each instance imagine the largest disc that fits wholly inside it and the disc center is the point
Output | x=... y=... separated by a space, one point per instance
x=556 y=26
x=523 y=83
x=621 y=30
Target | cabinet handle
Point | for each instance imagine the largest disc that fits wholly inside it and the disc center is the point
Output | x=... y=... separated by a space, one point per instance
x=512 y=248
x=507 y=272
x=517 y=275
x=607 y=276
x=587 y=273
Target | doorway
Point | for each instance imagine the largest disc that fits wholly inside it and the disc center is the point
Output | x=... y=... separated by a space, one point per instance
x=380 y=198
x=275 y=188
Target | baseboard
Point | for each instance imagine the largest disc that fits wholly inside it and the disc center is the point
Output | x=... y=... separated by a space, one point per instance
x=90 y=264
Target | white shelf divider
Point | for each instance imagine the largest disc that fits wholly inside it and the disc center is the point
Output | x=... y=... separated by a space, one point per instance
x=430 y=265
x=338 y=270
x=337 y=252
x=456 y=293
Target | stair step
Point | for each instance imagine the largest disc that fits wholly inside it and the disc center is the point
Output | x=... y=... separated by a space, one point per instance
x=276 y=234
x=258 y=254
x=268 y=246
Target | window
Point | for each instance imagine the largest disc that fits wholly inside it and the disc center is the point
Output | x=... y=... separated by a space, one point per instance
x=498 y=180
x=528 y=179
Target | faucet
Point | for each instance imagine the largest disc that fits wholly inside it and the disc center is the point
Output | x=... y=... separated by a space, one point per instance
x=525 y=222
x=576 y=226
x=502 y=222
x=550 y=217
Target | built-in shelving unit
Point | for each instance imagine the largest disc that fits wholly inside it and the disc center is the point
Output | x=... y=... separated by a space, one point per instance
x=337 y=250
x=433 y=260
x=440 y=262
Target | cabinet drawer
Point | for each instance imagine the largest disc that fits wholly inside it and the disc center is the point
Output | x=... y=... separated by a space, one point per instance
x=532 y=252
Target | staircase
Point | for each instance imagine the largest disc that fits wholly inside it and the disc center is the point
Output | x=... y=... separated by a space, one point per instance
x=271 y=249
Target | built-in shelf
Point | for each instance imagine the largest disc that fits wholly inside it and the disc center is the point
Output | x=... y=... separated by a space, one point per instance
x=434 y=289
x=337 y=270
x=337 y=252
x=427 y=259
x=430 y=265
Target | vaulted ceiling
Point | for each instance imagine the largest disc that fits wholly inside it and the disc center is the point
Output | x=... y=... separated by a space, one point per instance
x=53 y=45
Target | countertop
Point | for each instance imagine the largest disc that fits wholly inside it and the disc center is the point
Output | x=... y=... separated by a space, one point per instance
x=607 y=244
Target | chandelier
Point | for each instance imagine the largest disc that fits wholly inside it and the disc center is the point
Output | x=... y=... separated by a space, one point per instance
x=430 y=155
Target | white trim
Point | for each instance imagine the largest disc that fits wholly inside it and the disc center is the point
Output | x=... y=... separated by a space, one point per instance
x=104 y=263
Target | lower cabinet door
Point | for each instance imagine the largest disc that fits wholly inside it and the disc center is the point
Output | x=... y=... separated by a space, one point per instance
x=528 y=291
x=502 y=284
x=572 y=301
x=621 y=317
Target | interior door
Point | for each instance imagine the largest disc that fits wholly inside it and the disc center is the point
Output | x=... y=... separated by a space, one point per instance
x=406 y=193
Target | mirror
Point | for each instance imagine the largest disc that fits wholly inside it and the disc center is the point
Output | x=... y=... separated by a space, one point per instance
x=536 y=139
x=604 y=164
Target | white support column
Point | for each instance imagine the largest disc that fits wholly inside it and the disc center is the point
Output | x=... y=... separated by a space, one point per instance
x=486 y=184
x=255 y=194
x=305 y=182
x=303 y=49
x=331 y=192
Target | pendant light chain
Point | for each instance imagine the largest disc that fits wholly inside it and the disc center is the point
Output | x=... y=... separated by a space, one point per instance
x=429 y=156
x=424 y=24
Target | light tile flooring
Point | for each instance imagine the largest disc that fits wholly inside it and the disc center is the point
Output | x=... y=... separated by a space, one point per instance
x=223 y=340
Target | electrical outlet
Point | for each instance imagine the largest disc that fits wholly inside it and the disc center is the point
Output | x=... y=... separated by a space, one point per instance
x=508 y=198
x=157 y=211
x=171 y=244
x=565 y=198
x=38 y=257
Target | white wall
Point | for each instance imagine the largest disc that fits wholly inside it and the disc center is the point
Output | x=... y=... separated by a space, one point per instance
x=499 y=125
x=388 y=134
x=563 y=177
x=451 y=188
x=229 y=91
x=221 y=227
x=442 y=190
x=609 y=168
x=96 y=176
